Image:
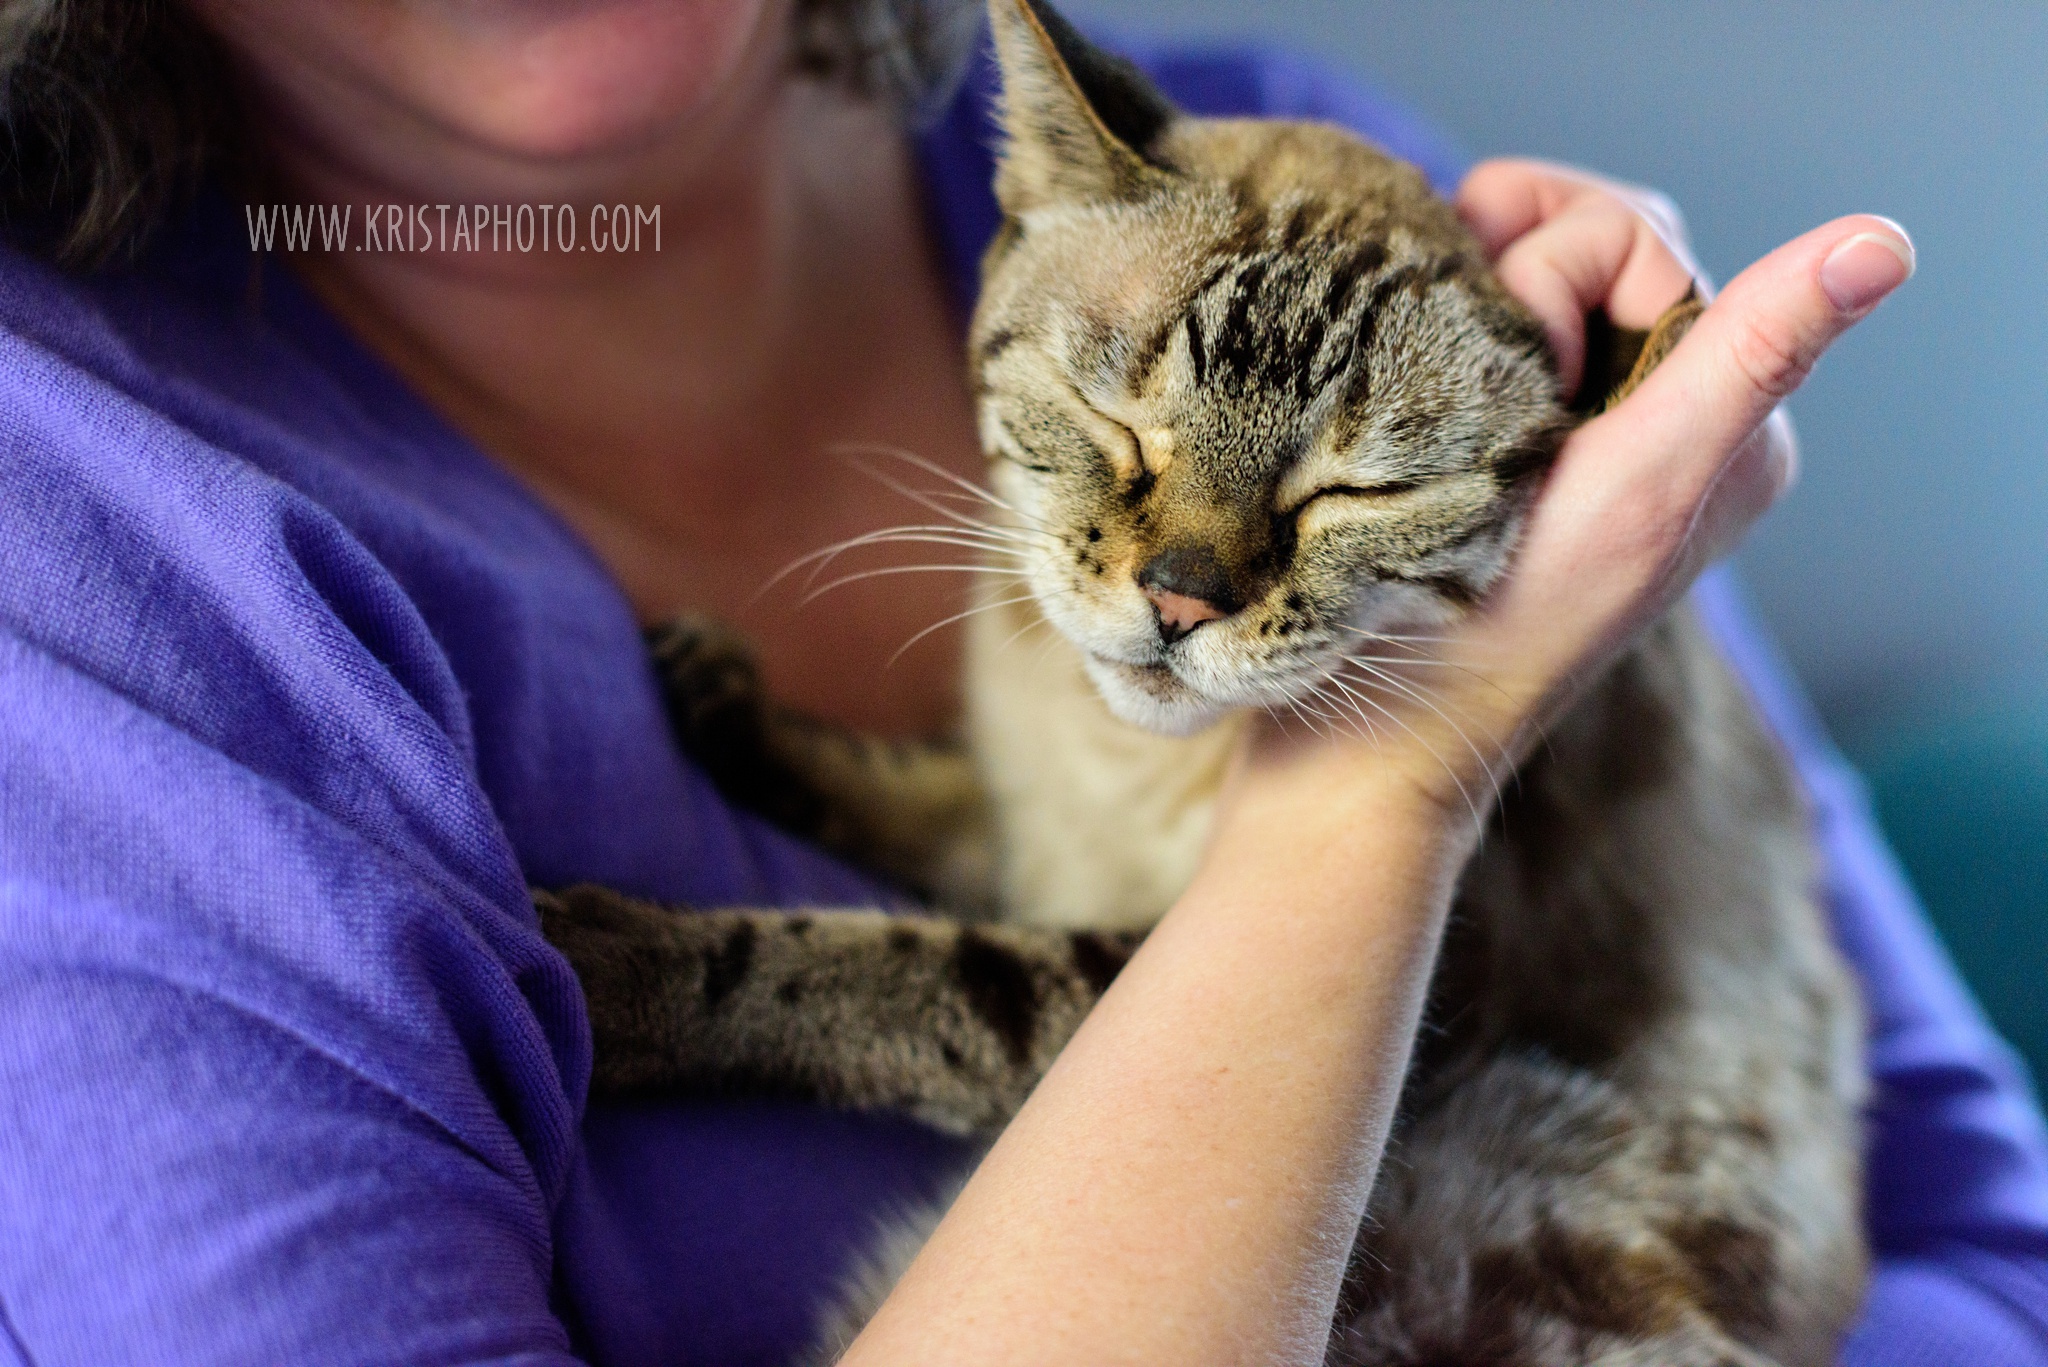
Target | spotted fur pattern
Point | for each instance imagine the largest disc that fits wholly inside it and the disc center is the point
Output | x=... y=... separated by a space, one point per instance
x=914 y=811
x=1261 y=366
x=951 y=1022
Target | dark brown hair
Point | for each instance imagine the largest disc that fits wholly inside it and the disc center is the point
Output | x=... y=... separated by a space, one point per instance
x=112 y=110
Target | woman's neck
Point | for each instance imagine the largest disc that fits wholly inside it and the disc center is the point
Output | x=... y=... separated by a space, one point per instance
x=678 y=406
x=593 y=373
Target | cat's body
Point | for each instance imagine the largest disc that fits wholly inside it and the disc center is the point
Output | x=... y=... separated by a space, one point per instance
x=1252 y=397
x=1630 y=1133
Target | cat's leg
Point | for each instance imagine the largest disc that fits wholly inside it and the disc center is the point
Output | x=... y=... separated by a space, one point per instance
x=913 y=811
x=953 y=1023
x=1529 y=1220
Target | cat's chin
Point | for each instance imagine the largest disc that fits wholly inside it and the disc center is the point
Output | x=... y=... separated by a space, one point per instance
x=1152 y=697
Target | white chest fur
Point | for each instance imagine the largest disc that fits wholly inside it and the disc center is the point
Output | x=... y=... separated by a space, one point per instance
x=1100 y=824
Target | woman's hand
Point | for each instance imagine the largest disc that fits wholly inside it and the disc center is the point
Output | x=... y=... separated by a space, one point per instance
x=1643 y=497
x=1648 y=494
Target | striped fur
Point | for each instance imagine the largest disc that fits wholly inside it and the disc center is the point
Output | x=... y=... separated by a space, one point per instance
x=952 y=1023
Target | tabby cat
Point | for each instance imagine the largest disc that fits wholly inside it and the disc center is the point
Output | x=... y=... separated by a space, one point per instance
x=1253 y=403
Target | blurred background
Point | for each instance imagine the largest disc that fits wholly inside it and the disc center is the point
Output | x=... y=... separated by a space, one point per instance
x=1907 y=575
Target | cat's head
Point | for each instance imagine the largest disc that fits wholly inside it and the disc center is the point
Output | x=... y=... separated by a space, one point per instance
x=1249 y=386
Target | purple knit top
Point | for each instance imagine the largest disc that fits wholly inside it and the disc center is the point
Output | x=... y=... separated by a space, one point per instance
x=299 y=691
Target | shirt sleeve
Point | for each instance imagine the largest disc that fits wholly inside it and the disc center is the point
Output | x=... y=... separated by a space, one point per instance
x=287 y=1073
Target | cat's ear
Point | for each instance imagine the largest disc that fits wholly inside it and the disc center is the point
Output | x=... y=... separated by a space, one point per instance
x=1077 y=122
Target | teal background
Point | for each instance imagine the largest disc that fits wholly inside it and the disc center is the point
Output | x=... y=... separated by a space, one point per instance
x=1907 y=575
x=1964 y=798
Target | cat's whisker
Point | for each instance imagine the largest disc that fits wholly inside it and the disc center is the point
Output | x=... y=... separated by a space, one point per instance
x=1016 y=519
x=1018 y=531
x=954 y=500
x=911 y=533
x=1412 y=647
x=825 y=554
x=1328 y=720
x=944 y=622
x=950 y=497
x=909 y=457
x=1337 y=680
x=1478 y=821
x=925 y=499
x=985 y=532
x=1395 y=681
x=1406 y=660
x=964 y=490
x=1370 y=665
x=1420 y=657
x=1346 y=714
x=1047 y=646
x=1394 y=673
x=942 y=536
x=1295 y=707
x=845 y=579
x=1393 y=636
x=957 y=536
x=813 y=589
x=1034 y=624
x=1306 y=719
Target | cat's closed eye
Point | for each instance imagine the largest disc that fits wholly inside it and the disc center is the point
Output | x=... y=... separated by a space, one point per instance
x=1383 y=490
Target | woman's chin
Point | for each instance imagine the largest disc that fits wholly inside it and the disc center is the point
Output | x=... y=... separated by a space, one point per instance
x=583 y=79
x=1152 y=696
x=541 y=83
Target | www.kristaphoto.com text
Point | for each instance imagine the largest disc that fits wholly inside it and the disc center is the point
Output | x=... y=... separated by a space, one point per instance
x=453 y=227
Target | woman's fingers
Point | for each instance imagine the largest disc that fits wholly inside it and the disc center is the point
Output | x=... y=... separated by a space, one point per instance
x=1757 y=342
x=1567 y=242
x=1646 y=495
x=1505 y=197
x=1597 y=252
x=1671 y=477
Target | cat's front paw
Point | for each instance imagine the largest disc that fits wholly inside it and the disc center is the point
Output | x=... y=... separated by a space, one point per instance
x=727 y=724
x=710 y=683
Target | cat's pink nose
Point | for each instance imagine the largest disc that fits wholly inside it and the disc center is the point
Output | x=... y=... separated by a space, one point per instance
x=1180 y=614
x=1187 y=587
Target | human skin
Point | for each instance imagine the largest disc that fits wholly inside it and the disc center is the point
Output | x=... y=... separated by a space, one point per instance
x=1204 y=1146
x=676 y=407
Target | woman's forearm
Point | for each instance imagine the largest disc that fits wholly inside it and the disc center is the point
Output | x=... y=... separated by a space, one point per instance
x=1185 y=1183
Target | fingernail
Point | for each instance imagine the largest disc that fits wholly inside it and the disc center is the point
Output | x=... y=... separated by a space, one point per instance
x=1863 y=269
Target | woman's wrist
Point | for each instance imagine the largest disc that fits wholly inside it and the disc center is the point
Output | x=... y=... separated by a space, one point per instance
x=1338 y=797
